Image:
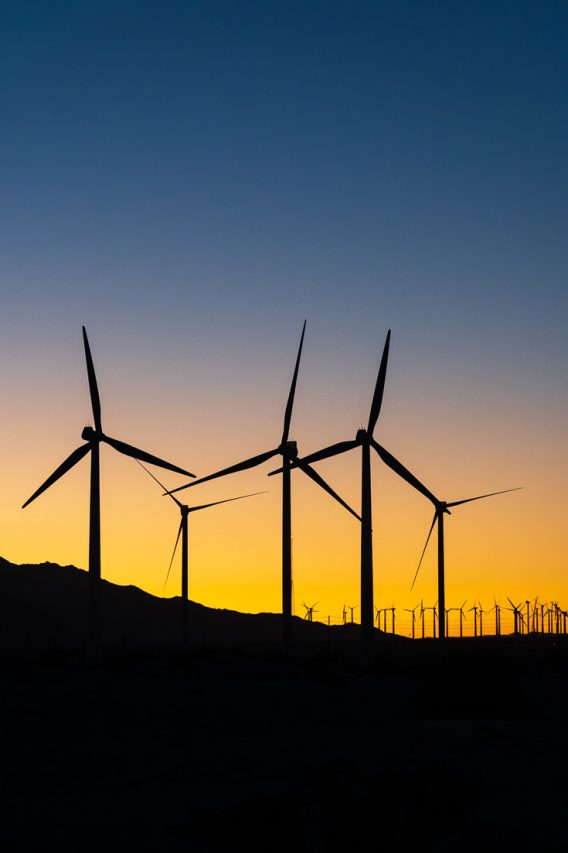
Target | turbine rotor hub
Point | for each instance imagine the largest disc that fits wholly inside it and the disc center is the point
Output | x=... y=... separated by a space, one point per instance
x=362 y=436
x=291 y=449
x=89 y=434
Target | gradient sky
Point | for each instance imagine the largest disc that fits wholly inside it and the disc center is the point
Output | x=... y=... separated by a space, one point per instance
x=190 y=180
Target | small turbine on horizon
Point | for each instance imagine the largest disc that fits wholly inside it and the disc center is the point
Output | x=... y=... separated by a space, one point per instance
x=310 y=611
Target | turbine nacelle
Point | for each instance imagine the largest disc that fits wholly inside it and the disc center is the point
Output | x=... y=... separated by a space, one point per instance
x=91 y=435
x=289 y=449
x=362 y=437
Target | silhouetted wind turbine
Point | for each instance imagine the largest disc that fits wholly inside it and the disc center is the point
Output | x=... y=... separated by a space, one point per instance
x=516 y=614
x=289 y=452
x=182 y=532
x=93 y=439
x=475 y=608
x=365 y=440
x=497 y=608
x=310 y=612
x=407 y=609
x=433 y=609
x=462 y=617
x=481 y=612
x=440 y=509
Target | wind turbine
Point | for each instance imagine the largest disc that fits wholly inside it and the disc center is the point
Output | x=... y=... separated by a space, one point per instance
x=365 y=440
x=407 y=609
x=448 y=611
x=475 y=608
x=481 y=612
x=497 y=608
x=527 y=602
x=433 y=609
x=182 y=532
x=351 y=608
x=516 y=614
x=462 y=617
x=289 y=452
x=442 y=508
x=310 y=612
x=93 y=439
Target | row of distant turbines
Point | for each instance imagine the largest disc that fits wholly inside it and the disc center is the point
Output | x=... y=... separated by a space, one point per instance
x=288 y=451
x=528 y=618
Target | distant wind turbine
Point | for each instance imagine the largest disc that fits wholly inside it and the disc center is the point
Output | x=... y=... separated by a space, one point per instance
x=516 y=614
x=440 y=509
x=475 y=608
x=182 y=532
x=289 y=452
x=310 y=612
x=93 y=438
x=407 y=609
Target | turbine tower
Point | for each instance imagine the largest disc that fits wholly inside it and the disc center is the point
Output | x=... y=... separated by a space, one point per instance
x=289 y=452
x=441 y=508
x=365 y=440
x=182 y=532
x=93 y=439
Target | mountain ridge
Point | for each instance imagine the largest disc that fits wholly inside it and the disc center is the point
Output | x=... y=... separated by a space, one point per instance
x=46 y=604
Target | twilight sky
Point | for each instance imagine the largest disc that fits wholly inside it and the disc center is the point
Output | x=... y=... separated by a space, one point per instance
x=191 y=180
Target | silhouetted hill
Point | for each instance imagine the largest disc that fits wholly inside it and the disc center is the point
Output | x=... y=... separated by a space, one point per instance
x=46 y=605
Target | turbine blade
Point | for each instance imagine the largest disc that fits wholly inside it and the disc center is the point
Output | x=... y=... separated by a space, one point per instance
x=479 y=497
x=159 y=484
x=93 y=388
x=379 y=387
x=423 y=552
x=290 y=403
x=240 y=466
x=173 y=555
x=326 y=453
x=129 y=450
x=325 y=486
x=227 y=500
x=71 y=460
x=403 y=472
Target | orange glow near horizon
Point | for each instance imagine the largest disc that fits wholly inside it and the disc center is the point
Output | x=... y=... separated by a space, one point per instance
x=509 y=545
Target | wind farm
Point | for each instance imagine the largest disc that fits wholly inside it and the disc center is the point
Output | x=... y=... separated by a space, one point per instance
x=436 y=626
x=319 y=250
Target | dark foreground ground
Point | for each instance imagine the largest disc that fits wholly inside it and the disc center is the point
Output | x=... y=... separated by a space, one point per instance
x=454 y=749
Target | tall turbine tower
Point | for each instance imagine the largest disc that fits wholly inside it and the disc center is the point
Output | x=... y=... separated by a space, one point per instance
x=289 y=452
x=365 y=440
x=94 y=438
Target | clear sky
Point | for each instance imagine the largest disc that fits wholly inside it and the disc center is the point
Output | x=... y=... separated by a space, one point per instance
x=190 y=180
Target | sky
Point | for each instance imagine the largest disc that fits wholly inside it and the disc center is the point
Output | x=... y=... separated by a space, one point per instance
x=192 y=180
